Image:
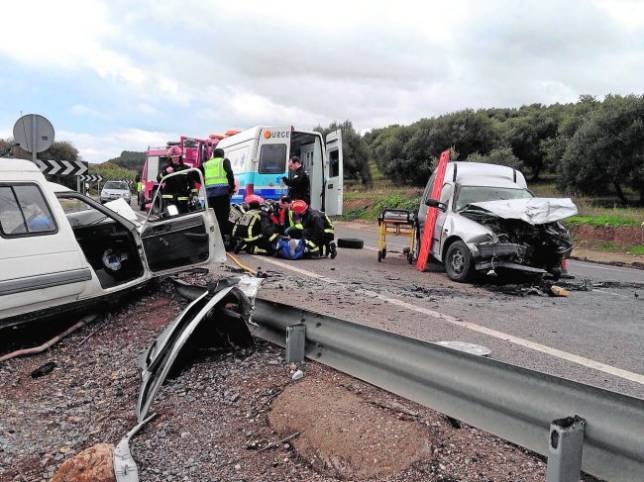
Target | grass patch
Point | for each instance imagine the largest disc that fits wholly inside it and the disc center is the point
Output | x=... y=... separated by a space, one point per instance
x=637 y=250
x=369 y=204
x=604 y=220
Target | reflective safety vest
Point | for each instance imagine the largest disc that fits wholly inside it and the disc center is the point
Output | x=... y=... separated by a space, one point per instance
x=214 y=172
x=293 y=223
x=139 y=186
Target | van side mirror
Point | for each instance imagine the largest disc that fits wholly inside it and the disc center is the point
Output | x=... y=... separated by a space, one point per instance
x=433 y=203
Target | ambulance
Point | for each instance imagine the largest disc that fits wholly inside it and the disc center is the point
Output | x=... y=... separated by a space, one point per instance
x=259 y=156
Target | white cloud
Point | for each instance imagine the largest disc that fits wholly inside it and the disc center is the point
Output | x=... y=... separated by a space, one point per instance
x=85 y=111
x=194 y=67
x=99 y=148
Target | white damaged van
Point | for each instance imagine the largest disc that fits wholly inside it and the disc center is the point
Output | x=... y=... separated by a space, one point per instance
x=62 y=251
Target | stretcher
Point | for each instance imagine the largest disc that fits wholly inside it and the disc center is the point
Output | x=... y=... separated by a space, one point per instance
x=397 y=222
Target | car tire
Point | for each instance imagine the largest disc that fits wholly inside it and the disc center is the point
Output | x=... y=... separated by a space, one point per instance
x=352 y=243
x=458 y=262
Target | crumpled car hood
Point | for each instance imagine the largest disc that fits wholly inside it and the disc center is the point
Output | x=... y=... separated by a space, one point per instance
x=531 y=210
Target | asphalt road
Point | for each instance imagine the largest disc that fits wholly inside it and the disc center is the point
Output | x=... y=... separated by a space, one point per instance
x=593 y=336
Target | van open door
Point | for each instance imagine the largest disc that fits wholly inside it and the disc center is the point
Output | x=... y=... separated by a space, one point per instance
x=181 y=235
x=333 y=195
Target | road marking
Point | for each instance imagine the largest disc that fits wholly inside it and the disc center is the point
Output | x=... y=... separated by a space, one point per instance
x=571 y=357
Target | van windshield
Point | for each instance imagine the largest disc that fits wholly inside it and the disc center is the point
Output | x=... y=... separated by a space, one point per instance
x=272 y=159
x=477 y=194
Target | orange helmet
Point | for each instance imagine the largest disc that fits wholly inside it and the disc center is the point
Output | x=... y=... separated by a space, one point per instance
x=175 y=151
x=253 y=199
x=299 y=207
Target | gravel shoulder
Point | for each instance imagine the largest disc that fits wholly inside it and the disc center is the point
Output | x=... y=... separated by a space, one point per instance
x=222 y=416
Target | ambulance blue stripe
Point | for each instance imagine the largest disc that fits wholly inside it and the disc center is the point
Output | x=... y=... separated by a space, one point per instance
x=265 y=192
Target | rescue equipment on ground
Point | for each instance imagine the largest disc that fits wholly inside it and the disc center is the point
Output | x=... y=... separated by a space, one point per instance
x=398 y=222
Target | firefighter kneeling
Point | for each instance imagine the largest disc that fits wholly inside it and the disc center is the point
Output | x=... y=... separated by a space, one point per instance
x=255 y=232
x=291 y=231
x=313 y=227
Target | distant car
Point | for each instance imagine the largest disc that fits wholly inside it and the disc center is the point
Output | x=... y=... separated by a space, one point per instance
x=488 y=220
x=114 y=190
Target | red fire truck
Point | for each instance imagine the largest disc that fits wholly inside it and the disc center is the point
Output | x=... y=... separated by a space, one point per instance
x=194 y=152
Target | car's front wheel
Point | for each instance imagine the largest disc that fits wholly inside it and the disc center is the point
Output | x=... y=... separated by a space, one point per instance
x=458 y=262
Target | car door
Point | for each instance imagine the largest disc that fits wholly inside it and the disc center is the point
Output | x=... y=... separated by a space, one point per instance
x=174 y=239
x=441 y=231
x=334 y=192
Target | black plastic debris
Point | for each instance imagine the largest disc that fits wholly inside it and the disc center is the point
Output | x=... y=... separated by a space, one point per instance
x=43 y=370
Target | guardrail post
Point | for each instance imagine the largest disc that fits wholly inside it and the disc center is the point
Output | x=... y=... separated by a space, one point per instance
x=565 y=449
x=295 y=343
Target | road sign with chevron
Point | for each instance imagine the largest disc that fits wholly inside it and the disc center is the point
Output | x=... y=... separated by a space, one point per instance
x=62 y=168
x=91 y=177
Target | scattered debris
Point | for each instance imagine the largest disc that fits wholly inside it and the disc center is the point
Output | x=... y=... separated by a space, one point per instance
x=454 y=422
x=470 y=348
x=559 y=291
x=297 y=375
x=43 y=369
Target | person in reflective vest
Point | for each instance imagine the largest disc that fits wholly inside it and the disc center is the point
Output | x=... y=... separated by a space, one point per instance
x=220 y=186
x=176 y=190
x=139 y=188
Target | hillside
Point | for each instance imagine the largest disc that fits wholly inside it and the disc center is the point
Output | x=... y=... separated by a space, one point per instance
x=131 y=160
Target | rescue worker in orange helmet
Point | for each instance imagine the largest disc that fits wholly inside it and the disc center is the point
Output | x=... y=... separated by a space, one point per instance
x=314 y=227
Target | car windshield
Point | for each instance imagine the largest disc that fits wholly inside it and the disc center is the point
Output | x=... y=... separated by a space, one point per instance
x=476 y=194
x=115 y=185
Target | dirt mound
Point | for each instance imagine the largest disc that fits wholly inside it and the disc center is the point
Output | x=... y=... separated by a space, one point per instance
x=345 y=436
x=91 y=465
x=621 y=235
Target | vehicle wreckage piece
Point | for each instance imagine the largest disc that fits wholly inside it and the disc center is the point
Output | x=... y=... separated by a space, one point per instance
x=225 y=307
x=516 y=243
x=125 y=469
x=229 y=329
x=531 y=210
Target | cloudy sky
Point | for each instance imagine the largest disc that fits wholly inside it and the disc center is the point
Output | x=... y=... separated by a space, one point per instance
x=118 y=74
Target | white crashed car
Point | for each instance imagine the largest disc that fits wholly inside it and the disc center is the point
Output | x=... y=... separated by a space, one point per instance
x=488 y=221
x=62 y=251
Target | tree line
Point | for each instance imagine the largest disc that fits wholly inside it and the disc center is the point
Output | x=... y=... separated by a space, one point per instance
x=591 y=146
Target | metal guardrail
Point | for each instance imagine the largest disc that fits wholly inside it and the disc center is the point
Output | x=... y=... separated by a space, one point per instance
x=558 y=418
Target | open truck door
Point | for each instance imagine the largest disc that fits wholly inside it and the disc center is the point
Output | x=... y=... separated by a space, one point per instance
x=333 y=192
x=181 y=233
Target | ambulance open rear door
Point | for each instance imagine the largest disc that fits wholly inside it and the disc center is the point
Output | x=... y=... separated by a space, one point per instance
x=334 y=174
